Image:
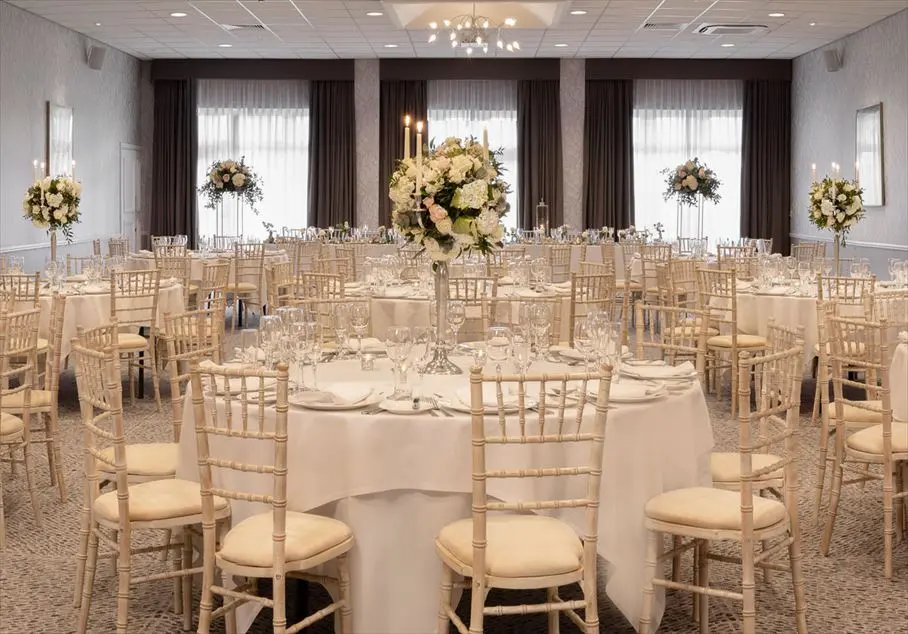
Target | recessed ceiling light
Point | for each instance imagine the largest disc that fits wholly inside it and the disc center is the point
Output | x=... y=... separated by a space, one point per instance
x=390 y=45
x=374 y=14
x=561 y=46
x=813 y=24
x=225 y=45
x=777 y=15
x=178 y=14
x=510 y=21
x=727 y=45
x=578 y=12
x=97 y=24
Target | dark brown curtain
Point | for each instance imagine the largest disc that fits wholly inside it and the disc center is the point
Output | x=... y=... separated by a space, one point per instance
x=766 y=162
x=398 y=99
x=174 y=150
x=332 y=153
x=608 y=154
x=539 y=175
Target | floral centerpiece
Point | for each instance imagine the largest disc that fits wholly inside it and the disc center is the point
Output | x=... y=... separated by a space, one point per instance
x=690 y=180
x=463 y=200
x=836 y=204
x=53 y=204
x=232 y=177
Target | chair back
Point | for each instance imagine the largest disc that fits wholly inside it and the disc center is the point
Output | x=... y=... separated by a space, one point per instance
x=118 y=246
x=19 y=358
x=891 y=306
x=340 y=266
x=472 y=289
x=96 y=246
x=845 y=290
x=317 y=285
x=511 y=312
x=682 y=286
x=590 y=293
x=559 y=257
x=20 y=289
x=279 y=278
x=173 y=262
x=224 y=243
x=134 y=299
x=504 y=447
x=305 y=255
x=191 y=336
x=718 y=296
x=52 y=361
x=331 y=316
x=808 y=251
x=671 y=334
x=75 y=264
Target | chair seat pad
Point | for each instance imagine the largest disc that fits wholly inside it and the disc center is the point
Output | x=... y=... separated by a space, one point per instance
x=870 y=440
x=10 y=424
x=243 y=287
x=744 y=341
x=156 y=500
x=43 y=344
x=712 y=509
x=249 y=543
x=193 y=287
x=39 y=399
x=853 y=414
x=146 y=459
x=131 y=341
x=517 y=545
x=726 y=466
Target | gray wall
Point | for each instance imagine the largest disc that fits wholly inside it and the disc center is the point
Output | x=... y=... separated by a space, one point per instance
x=39 y=62
x=824 y=106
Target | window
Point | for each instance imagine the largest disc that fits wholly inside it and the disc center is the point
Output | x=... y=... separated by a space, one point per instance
x=461 y=108
x=267 y=121
x=675 y=120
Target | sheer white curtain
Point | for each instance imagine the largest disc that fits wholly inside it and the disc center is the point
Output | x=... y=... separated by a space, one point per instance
x=267 y=121
x=462 y=107
x=676 y=120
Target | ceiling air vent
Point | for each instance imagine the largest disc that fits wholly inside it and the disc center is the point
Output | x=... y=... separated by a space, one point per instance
x=664 y=26
x=731 y=29
x=242 y=27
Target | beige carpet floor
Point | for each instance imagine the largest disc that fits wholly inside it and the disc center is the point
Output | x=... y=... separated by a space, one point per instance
x=846 y=592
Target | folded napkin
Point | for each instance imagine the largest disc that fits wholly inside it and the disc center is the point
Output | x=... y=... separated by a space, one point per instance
x=774 y=290
x=370 y=344
x=561 y=285
x=336 y=394
x=489 y=396
x=623 y=391
x=903 y=337
x=684 y=370
x=526 y=292
x=395 y=292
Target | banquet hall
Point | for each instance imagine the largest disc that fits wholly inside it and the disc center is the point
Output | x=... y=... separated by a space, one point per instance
x=405 y=317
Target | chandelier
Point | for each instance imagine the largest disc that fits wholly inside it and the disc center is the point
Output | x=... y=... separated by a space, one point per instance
x=475 y=33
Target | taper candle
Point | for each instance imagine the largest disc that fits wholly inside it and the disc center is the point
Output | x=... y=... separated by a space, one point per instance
x=35 y=169
x=72 y=174
x=419 y=163
x=857 y=173
x=813 y=172
x=406 y=137
x=485 y=143
x=43 y=171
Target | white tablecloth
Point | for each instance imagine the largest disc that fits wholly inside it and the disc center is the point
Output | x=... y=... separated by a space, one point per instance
x=93 y=309
x=898 y=380
x=397 y=480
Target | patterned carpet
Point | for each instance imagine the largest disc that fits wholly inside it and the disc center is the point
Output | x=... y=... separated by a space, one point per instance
x=846 y=592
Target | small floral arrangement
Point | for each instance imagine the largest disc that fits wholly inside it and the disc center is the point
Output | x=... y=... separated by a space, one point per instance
x=269 y=227
x=463 y=200
x=836 y=204
x=232 y=177
x=53 y=204
x=659 y=228
x=689 y=180
x=627 y=234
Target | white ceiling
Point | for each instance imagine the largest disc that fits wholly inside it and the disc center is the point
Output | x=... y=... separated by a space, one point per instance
x=326 y=30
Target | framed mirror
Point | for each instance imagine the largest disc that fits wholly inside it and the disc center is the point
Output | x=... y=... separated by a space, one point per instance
x=59 y=140
x=869 y=153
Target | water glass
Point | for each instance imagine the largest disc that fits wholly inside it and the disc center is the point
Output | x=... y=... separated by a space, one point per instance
x=247 y=352
x=498 y=345
x=480 y=354
x=584 y=342
x=399 y=345
x=358 y=315
x=521 y=353
x=457 y=316
x=271 y=333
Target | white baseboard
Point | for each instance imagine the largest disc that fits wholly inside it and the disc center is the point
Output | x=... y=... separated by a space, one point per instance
x=852 y=243
x=61 y=244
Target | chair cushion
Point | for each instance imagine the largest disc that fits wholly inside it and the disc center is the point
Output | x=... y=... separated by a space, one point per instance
x=726 y=466
x=744 y=341
x=146 y=459
x=39 y=399
x=43 y=344
x=870 y=440
x=156 y=500
x=131 y=341
x=517 y=545
x=243 y=287
x=714 y=509
x=854 y=414
x=249 y=543
x=10 y=424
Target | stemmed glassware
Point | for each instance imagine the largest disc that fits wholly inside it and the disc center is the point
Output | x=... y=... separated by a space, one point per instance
x=398 y=344
x=248 y=349
x=271 y=329
x=498 y=345
x=540 y=322
x=457 y=316
x=521 y=353
x=804 y=275
x=358 y=314
x=584 y=342
x=313 y=348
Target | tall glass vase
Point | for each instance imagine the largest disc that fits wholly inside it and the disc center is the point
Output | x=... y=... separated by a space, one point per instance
x=440 y=364
x=53 y=245
x=837 y=243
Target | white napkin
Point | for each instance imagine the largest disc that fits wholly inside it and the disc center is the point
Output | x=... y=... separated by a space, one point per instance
x=489 y=396
x=625 y=390
x=370 y=344
x=94 y=289
x=336 y=394
x=903 y=336
x=526 y=292
x=686 y=369
x=774 y=290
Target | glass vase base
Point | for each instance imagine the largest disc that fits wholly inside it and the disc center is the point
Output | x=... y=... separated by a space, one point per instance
x=440 y=364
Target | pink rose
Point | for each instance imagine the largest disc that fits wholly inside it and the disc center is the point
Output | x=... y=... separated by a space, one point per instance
x=437 y=213
x=226 y=177
x=428 y=201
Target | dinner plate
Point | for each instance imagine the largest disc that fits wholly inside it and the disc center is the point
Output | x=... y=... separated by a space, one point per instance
x=405 y=408
x=630 y=391
x=683 y=372
x=461 y=400
x=339 y=397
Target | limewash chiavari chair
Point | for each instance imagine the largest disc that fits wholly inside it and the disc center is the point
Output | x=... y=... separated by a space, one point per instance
x=682 y=282
x=44 y=402
x=472 y=289
x=670 y=334
x=891 y=305
x=653 y=256
x=325 y=312
x=597 y=268
x=884 y=443
x=342 y=267
x=305 y=255
x=845 y=290
x=224 y=243
x=718 y=296
x=317 y=286
x=18 y=341
x=134 y=306
x=707 y=514
x=75 y=265
x=516 y=549
x=173 y=262
x=96 y=246
x=590 y=293
x=559 y=257
x=274 y=544
x=688 y=246
x=118 y=246
x=162 y=504
x=808 y=251
x=248 y=268
x=505 y=311
x=21 y=289
x=355 y=252
x=279 y=281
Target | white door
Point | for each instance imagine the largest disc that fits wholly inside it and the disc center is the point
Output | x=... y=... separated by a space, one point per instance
x=130 y=192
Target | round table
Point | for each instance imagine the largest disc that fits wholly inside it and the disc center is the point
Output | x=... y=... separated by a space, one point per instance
x=397 y=480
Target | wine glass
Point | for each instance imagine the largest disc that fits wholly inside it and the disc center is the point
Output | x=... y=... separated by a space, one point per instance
x=540 y=322
x=247 y=352
x=457 y=316
x=398 y=344
x=498 y=345
x=358 y=314
x=804 y=275
x=480 y=354
x=584 y=342
x=271 y=328
x=521 y=353
x=313 y=348
x=422 y=345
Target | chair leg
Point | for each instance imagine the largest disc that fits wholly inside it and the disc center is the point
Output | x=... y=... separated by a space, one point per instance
x=123 y=581
x=87 y=586
x=29 y=479
x=52 y=433
x=797 y=580
x=186 y=581
x=346 y=611
x=444 y=601
x=176 y=581
x=168 y=535
x=155 y=383
x=591 y=612
x=554 y=625
x=82 y=553
x=887 y=519
x=676 y=559
x=653 y=541
x=279 y=611
x=2 y=517
x=833 y=504
x=820 y=484
x=703 y=574
x=477 y=603
x=206 y=601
